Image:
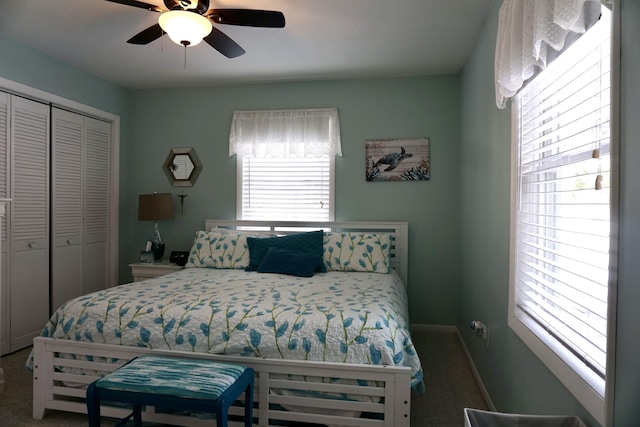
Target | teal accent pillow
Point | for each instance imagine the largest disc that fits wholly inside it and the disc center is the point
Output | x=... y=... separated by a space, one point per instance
x=288 y=262
x=308 y=243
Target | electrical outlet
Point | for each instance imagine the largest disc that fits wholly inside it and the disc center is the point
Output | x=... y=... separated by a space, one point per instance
x=481 y=330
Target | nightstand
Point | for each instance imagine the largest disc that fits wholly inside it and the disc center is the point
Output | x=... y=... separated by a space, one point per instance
x=141 y=271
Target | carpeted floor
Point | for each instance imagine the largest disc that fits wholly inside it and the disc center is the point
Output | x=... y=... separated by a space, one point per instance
x=450 y=385
x=449 y=382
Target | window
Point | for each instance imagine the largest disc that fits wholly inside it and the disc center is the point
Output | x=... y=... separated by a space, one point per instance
x=281 y=188
x=561 y=213
x=286 y=163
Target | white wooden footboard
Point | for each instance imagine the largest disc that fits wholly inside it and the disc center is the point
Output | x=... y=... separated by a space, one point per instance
x=388 y=406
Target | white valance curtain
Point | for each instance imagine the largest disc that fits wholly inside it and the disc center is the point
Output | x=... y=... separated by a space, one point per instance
x=533 y=33
x=285 y=133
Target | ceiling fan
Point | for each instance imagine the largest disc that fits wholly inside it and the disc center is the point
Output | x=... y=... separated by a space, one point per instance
x=188 y=22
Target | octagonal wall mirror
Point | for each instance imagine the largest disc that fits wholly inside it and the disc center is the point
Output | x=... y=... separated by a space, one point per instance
x=182 y=167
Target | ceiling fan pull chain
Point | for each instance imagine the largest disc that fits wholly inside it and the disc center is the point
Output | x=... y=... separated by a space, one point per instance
x=185 y=56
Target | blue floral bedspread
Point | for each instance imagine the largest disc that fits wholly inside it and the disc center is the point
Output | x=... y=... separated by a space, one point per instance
x=335 y=316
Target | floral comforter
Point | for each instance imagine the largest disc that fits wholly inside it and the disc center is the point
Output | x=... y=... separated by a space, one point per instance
x=335 y=316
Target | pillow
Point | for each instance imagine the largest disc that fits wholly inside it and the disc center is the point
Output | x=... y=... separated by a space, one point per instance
x=308 y=243
x=282 y=261
x=357 y=252
x=218 y=250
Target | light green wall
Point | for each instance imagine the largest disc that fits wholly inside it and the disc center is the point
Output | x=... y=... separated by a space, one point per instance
x=27 y=66
x=516 y=380
x=368 y=109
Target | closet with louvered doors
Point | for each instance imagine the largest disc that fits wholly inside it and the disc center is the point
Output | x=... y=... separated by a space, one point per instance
x=24 y=141
x=79 y=206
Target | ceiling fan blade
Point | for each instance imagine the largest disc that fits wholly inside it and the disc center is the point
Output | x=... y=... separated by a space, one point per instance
x=223 y=44
x=147 y=36
x=139 y=4
x=247 y=17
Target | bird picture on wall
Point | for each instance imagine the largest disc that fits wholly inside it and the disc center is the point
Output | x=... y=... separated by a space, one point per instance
x=397 y=159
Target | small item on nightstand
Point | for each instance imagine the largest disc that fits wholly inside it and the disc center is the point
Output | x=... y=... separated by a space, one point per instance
x=146 y=256
x=179 y=257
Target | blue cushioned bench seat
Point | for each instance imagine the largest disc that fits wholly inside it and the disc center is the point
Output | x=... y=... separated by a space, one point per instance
x=168 y=382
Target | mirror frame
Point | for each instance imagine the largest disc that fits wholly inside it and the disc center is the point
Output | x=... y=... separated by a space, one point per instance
x=197 y=167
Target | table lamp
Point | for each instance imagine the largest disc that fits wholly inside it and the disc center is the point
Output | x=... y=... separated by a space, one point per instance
x=155 y=207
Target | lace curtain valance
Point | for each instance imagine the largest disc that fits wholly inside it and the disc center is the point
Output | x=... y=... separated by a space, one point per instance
x=533 y=33
x=285 y=133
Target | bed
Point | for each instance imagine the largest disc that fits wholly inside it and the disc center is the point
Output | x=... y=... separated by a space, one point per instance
x=329 y=345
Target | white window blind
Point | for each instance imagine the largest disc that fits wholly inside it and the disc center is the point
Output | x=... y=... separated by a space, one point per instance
x=287 y=188
x=562 y=206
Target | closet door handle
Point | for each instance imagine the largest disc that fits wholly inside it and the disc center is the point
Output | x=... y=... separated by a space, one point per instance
x=69 y=241
x=32 y=245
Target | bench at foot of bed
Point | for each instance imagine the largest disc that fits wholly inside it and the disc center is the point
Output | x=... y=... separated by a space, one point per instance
x=174 y=383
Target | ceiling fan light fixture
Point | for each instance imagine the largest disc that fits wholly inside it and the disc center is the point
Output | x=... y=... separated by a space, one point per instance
x=185 y=28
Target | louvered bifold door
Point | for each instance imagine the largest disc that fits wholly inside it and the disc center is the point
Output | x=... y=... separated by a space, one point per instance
x=96 y=204
x=4 y=193
x=29 y=284
x=67 y=206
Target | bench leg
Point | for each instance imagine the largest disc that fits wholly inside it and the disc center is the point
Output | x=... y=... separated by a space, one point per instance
x=248 y=405
x=93 y=406
x=221 y=414
x=137 y=415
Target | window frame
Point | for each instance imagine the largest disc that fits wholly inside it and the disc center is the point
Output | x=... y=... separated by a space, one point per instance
x=559 y=360
x=240 y=186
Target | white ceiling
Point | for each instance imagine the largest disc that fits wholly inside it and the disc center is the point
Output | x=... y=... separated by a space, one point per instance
x=322 y=39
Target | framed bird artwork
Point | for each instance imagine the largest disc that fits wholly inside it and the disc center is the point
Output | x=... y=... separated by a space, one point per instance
x=402 y=159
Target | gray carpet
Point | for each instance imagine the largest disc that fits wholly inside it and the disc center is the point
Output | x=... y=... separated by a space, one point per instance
x=449 y=382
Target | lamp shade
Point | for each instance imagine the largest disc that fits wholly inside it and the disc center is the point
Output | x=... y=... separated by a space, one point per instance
x=185 y=28
x=155 y=207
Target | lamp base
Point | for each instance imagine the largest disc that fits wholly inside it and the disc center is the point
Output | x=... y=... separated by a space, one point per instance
x=157 y=245
x=158 y=251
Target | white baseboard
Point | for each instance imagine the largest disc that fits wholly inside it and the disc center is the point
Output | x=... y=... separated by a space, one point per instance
x=476 y=374
x=474 y=371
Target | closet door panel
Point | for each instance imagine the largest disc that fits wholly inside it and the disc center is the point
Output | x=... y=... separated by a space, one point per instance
x=96 y=266
x=5 y=331
x=30 y=205
x=67 y=206
x=29 y=298
x=29 y=284
x=96 y=204
x=67 y=277
x=4 y=193
x=4 y=158
x=80 y=205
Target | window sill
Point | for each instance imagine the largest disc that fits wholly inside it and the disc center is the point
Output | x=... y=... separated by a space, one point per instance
x=584 y=385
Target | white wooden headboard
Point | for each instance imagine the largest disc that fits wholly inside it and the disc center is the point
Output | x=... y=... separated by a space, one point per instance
x=399 y=231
